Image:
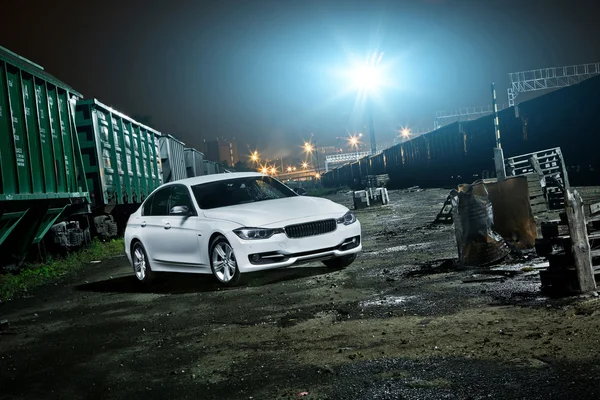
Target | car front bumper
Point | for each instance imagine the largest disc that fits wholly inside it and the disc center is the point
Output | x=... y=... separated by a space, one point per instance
x=279 y=251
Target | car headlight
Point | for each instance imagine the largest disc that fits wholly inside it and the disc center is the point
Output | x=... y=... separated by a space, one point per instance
x=347 y=219
x=256 y=233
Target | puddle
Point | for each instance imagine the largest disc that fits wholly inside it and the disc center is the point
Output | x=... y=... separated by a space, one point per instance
x=402 y=247
x=386 y=301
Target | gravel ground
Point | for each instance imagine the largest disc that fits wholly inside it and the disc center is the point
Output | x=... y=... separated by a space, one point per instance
x=399 y=323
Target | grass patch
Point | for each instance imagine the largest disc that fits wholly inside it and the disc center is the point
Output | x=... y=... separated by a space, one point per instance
x=34 y=275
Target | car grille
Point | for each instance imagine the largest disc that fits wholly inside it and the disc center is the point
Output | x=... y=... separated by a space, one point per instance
x=310 y=228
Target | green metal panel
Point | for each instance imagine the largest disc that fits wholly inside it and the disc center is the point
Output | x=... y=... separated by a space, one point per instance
x=8 y=221
x=39 y=152
x=47 y=221
x=119 y=154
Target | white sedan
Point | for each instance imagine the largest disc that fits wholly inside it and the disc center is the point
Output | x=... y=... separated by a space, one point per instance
x=232 y=223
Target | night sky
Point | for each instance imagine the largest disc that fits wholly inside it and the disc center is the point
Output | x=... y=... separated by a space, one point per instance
x=268 y=72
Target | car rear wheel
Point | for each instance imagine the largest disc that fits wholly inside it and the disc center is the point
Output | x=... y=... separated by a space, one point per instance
x=340 y=262
x=223 y=262
x=141 y=264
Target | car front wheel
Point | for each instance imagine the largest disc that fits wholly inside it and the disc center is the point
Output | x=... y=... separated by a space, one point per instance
x=340 y=262
x=141 y=264
x=223 y=262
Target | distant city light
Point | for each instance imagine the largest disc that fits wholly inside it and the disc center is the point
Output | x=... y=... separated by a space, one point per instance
x=354 y=141
x=405 y=132
x=254 y=156
x=264 y=170
x=308 y=147
x=289 y=169
x=317 y=175
x=304 y=165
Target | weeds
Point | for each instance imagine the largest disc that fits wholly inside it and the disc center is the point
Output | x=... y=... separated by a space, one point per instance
x=54 y=269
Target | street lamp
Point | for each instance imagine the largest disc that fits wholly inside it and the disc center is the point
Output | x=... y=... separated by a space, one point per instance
x=254 y=156
x=405 y=132
x=308 y=147
x=367 y=78
x=305 y=165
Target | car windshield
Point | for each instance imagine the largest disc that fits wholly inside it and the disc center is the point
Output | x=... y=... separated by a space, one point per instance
x=237 y=191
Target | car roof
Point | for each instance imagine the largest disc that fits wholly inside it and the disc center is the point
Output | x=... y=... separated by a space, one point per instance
x=214 y=178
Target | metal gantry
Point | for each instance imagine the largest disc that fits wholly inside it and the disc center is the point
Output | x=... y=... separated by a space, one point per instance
x=344 y=158
x=548 y=78
x=463 y=114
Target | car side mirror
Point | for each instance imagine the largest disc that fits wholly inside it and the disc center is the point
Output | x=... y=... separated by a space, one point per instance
x=180 y=210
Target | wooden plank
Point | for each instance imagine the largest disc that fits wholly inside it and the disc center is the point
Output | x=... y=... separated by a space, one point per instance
x=535 y=192
x=537 y=200
x=579 y=237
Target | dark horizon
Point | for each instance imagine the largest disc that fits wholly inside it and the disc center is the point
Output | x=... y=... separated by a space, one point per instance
x=266 y=72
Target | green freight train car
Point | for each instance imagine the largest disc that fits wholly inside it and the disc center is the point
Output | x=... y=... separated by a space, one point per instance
x=122 y=163
x=41 y=169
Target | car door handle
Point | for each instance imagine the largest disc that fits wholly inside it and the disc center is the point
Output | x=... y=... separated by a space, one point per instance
x=167 y=226
x=143 y=224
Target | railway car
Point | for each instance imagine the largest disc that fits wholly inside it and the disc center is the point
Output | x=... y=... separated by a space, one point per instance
x=42 y=180
x=122 y=163
x=172 y=158
x=194 y=163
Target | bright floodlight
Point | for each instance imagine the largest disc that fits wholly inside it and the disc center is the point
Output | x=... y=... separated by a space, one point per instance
x=308 y=147
x=405 y=133
x=366 y=77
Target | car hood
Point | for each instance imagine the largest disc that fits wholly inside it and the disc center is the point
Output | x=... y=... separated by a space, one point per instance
x=269 y=212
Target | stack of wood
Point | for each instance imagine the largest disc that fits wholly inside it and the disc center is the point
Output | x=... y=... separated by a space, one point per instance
x=571 y=245
x=537 y=197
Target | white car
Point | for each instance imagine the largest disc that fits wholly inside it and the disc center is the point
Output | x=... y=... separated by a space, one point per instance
x=232 y=223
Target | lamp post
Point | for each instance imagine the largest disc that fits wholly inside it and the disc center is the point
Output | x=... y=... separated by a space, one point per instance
x=367 y=78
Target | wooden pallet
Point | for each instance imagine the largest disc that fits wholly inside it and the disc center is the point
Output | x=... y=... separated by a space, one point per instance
x=445 y=214
x=556 y=246
x=537 y=197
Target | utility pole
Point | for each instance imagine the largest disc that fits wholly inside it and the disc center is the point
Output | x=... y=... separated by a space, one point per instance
x=371 y=127
x=498 y=154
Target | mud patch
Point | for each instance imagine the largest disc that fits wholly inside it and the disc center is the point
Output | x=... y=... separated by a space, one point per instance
x=459 y=378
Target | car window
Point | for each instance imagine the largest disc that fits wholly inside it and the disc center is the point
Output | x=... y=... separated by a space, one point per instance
x=147 y=206
x=180 y=196
x=231 y=192
x=160 y=203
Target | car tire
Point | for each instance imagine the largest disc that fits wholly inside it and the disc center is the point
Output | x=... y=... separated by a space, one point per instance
x=141 y=264
x=223 y=263
x=340 y=262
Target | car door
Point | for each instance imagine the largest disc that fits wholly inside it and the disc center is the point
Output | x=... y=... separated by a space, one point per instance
x=153 y=228
x=182 y=230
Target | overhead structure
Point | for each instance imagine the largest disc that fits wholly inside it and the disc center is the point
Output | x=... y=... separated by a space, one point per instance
x=344 y=158
x=548 y=78
x=463 y=114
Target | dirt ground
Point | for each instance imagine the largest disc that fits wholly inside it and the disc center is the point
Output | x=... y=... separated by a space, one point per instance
x=397 y=324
